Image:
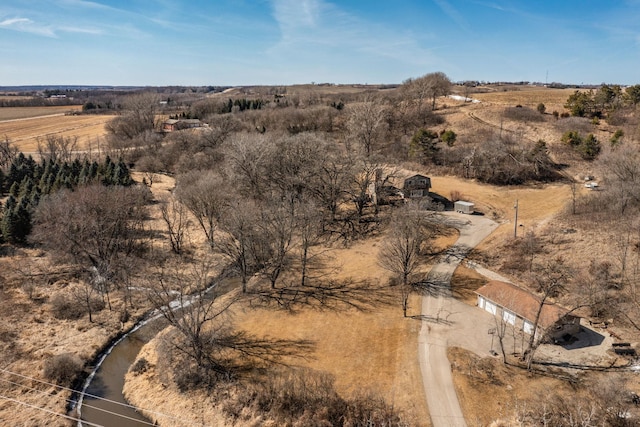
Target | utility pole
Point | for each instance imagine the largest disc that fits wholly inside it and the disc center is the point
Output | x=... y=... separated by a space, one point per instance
x=515 y=222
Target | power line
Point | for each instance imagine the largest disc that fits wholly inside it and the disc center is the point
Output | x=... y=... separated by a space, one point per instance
x=88 y=406
x=93 y=396
x=48 y=411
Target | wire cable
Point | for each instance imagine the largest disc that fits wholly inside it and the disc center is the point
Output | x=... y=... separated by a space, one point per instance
x=93 y=396
x=87 y=405
x=49 y=411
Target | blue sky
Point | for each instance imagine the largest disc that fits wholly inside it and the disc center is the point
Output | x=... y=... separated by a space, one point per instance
x=242 y=42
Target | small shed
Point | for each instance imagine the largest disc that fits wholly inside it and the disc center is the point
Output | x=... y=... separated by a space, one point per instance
x=464 y=207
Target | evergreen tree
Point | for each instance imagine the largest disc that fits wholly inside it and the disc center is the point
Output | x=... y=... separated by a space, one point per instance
x=26 y=187
x=36 y=195
x=22 y=222
x=15 y=189
x=121 y=175
x=93 y=171
x=424 y=145
x=8 y=219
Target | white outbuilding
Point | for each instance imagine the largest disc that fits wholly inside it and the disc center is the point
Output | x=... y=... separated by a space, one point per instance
x=464 y=207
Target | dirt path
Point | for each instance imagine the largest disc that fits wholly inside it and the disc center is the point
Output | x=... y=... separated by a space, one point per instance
x=436 y=312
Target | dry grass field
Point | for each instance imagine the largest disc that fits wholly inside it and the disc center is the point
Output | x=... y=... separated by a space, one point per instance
x=529 y=96
x=364 y=350
x=23 y=126
x=13 y=113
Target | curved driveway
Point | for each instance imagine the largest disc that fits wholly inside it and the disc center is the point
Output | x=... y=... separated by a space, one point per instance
x=437 y=307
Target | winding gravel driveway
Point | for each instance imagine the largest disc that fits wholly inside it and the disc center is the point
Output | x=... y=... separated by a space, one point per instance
x=437 y=309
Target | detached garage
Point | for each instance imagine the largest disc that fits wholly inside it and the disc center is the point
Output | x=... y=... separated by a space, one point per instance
x=519 y=307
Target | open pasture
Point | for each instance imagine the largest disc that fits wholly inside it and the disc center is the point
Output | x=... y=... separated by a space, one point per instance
x=529 y=96
x=15 y=113
x=24 y=132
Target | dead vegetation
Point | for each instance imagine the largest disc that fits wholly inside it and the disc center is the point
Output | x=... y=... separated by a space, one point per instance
x=342 y=303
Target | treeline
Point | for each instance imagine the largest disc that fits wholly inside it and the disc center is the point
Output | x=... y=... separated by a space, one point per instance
x=603 y=101
x=38 y=102
x=27 y=181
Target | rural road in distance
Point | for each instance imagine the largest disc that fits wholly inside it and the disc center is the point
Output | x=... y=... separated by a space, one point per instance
x=442 y=400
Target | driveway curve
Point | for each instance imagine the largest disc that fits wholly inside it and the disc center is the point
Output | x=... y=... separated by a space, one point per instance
x=437 y=307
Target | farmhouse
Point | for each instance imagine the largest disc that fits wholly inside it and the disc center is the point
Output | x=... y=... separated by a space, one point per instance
x=171 y=125
x=519 y=307
x=417 y=186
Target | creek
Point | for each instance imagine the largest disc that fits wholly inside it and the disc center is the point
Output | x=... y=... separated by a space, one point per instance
x=102 y=401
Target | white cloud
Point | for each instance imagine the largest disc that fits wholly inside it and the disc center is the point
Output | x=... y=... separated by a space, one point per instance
x=93 y=31
x=453 y=14
x=26 y=25
x=308 y=26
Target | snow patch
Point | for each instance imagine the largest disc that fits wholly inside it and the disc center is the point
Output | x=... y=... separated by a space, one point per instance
x=462 y=98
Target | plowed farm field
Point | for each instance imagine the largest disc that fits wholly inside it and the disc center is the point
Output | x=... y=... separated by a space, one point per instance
x=25 y=125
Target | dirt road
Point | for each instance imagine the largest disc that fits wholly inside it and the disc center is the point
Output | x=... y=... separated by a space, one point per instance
x=437 y=309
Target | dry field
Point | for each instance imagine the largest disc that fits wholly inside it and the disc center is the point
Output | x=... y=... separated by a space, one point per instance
x=12 y=113
x=529 y=96
x=24 y=131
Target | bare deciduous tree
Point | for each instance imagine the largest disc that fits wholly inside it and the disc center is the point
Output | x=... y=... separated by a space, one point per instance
x=8 y=152
x=309 y=228
x=332 y=182
x=96 y=227
x=430 y=86
x=56 y=148
x=174 y=215
x=366 y=124
x=400 y=251
x=551 y=280
x=248 y=157
x=192 y=304
x=277 y=222
x=244 y=243
x=205 y=194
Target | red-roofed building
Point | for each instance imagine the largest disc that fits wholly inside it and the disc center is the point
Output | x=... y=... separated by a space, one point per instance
x=519 y=307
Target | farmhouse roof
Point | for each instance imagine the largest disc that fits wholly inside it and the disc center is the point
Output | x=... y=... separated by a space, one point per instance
x=522 y=302
x=419 y=176
x=174 y=121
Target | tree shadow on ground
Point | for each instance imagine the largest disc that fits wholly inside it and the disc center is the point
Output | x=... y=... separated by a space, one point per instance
x=333 y=295
x=434 y=319
x=434 y=285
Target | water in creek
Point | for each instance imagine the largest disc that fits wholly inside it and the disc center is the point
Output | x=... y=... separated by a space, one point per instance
x=109 y=381
x=108 y=407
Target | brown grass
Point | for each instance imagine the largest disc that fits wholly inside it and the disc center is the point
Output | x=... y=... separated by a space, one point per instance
x=490 y=391
x=375 y=350
x=465 y=282
x=25 y=132
x=13 y=113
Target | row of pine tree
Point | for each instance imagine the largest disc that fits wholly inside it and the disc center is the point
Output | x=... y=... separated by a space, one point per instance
x=27 y=181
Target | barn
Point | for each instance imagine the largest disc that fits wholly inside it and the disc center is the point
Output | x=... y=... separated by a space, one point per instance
x=519 y=307
x=171 y=125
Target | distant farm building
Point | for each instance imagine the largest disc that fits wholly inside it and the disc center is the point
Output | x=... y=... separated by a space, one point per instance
x=464 y=207
x=519 y=307
x=417 y=186
x=171 y=125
